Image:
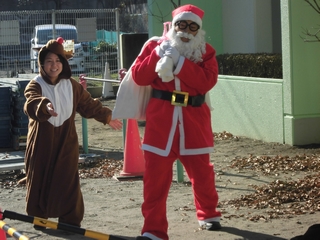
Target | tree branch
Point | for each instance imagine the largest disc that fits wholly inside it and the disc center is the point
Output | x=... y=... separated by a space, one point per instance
x=314 y=5
x=174 y=4
x=313 y=35
x=161 y=16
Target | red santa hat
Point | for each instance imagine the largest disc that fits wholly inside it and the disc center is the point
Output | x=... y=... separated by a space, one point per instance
x=188 y=12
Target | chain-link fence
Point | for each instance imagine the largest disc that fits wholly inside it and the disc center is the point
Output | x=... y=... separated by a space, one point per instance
x=95 y=34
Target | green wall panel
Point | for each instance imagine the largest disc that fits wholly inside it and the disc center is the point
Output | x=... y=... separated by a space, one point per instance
x=301 y=75
x=250 y=107
x=305 y=60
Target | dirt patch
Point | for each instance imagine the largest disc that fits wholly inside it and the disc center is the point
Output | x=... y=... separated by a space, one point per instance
x=266 y=190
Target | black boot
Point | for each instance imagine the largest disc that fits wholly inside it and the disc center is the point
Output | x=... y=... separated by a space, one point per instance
x=142 y=238
x=213 y=226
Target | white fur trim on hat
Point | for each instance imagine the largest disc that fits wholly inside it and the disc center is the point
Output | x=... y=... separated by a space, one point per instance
x=187 y=12
x=187 y=16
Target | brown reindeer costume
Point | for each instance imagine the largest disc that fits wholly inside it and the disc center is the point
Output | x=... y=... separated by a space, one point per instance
x=52 y=151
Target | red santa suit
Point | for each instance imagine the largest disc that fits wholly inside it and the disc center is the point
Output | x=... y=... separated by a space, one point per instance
x=178 y=123
x=177 y=132
x=162 y=117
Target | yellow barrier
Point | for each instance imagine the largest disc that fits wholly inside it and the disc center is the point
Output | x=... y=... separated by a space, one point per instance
x=12 y=232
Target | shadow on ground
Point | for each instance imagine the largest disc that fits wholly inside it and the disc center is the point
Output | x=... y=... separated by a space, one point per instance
x=248 y=235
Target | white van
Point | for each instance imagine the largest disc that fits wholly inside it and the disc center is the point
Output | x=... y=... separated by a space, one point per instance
x=43 y=33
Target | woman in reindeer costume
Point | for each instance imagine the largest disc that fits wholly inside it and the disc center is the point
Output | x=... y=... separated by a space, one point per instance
x=51 y=159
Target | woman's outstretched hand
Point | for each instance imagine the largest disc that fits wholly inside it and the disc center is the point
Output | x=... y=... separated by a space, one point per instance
x=50 y=110
x=116 y=124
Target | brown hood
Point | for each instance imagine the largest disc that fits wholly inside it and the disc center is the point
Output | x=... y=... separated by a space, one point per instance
x=55 y=46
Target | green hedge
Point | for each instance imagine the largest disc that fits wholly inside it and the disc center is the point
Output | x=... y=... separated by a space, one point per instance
x=264 y=65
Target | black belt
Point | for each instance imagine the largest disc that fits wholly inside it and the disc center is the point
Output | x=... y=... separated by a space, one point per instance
x=178 y=98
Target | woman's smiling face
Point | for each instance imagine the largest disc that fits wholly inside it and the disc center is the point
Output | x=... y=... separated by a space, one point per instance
x=52 y=66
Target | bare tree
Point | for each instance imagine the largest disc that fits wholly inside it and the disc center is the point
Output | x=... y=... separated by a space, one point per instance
x=314 y=4
x=123 y=3
x=312 y=34
x=174 y=4
x=24 y=3
x=62 y=4
x=7 y=5
x=161 y=17
x=59 y=4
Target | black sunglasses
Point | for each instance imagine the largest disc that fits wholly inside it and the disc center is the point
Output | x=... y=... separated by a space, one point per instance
x=183 y=25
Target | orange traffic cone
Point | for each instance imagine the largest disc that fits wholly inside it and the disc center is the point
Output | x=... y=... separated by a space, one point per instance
x=5 y=228
x=133 y=165
x=3 y=235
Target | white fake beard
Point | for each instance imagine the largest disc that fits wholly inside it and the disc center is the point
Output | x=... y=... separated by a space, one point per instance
x=194 y=49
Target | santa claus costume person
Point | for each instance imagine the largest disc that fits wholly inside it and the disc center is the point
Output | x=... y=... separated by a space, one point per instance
x=178 y=120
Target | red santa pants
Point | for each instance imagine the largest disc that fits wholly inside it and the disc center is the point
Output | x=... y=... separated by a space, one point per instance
x=157 y=181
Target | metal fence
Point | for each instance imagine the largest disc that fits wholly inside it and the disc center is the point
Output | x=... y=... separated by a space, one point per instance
x=96 y=40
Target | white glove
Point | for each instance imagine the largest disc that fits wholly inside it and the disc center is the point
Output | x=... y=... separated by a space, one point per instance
x=165 y=45
x=164 y=69
x=174 y=54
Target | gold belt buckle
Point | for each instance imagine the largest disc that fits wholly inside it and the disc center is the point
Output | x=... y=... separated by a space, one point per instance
x=174 y=98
